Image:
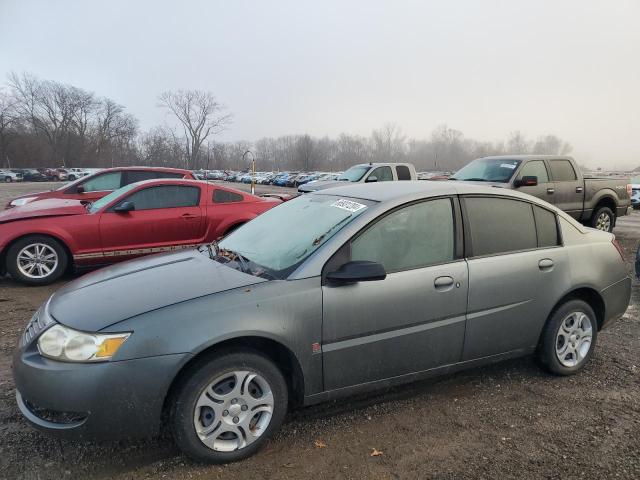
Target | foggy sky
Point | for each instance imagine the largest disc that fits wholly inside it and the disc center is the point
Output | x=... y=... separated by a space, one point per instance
x=571 y=68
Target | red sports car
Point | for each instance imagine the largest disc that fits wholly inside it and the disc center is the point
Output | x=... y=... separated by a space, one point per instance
x=95 y=186
x=40 y=240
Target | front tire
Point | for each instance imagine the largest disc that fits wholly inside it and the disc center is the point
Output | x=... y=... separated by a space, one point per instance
x=569 y=338
x=36 y=260
x=8 y=179
x=603 y=219
x=228 y=406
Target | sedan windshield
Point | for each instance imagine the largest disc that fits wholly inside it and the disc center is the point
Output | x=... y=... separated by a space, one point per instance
x=282 y=238
x=355 y=173
x=106 y=200
x=488 y=170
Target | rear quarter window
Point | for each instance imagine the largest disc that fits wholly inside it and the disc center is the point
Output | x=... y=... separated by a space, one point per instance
x=546 y=227
x=224 y=196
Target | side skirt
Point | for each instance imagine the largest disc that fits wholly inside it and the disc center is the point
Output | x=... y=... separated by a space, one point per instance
x=413 y=377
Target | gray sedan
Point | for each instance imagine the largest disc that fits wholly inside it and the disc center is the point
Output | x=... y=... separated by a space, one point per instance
x=336 y=292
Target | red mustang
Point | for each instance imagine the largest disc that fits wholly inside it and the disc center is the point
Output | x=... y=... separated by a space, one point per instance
x=40 y=240
x=99 y=184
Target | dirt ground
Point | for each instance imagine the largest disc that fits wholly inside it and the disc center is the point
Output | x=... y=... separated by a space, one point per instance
x=510 y=420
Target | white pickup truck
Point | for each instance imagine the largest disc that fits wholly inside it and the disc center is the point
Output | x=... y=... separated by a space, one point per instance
x=366 y=173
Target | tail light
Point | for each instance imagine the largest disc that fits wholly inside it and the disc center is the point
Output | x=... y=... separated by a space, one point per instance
x=629 y=190
x=618 y=248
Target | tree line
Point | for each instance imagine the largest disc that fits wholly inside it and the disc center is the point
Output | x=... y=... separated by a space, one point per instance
x=44 y=123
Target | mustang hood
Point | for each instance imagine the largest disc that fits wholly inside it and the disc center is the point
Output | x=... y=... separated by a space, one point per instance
x=110 y=295
x=315 y=186
x=52 y=207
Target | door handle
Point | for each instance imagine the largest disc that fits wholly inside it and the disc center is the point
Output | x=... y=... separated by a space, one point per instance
x=546 y=264
x=188 y=216
x=579 y=189
x=550 y=191
x=443 y=284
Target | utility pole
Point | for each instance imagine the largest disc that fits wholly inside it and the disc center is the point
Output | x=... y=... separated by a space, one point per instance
x=253 y=170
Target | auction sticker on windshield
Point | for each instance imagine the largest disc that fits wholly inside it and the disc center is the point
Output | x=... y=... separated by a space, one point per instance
x=348 y=205
x=508 y=165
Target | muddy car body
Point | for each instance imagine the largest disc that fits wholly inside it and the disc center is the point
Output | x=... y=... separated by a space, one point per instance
x=222 y=340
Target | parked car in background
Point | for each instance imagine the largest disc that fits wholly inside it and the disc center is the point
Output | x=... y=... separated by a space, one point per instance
x=385 y=284
x=595 y=201
x=366 y=173
x=40 y=240
x=75 y=173
x=102 y=183
x=635 y=196
x=30 y=174
x=9 y=176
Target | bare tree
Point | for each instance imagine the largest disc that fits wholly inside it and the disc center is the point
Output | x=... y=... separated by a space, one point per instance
x=388 y=143
x=200 y=115
x=8 y=122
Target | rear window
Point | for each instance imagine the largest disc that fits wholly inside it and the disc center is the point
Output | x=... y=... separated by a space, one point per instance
x=224 y=196
x=563 y=171
x=500 y=225
x=403 y=172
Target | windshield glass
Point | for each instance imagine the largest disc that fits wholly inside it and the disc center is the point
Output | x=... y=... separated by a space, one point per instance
x=355 y=173
x=283 y=237
x=106 y=200
x=488 y=170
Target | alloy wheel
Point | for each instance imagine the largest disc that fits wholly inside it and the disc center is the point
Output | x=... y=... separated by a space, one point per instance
x=574 y=338
x=233 y=411
x=37 y=260
x=603 y=222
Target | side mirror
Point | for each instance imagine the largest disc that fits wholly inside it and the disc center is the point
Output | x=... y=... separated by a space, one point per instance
x=124 y=207
x=372 y=178
x=526 y=181
x=358 y=271
x=79 y=189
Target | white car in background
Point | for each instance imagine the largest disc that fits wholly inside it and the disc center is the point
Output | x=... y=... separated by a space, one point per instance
x=8 y=176
x=635 y=196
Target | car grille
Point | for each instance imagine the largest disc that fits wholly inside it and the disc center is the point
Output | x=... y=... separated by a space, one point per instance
x=37 y=323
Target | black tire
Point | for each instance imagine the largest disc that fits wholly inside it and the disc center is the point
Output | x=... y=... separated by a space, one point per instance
x=183 y=406
x=549 y=341
x=597 y=218
x=8 y=179
x=71 y=178
x=56 y=271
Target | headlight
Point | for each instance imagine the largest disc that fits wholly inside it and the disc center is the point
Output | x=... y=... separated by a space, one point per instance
x=21 y=201
x=65 y=344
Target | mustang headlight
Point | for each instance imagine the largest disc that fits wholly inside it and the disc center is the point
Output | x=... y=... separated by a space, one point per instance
x=21 y=201
x=65 y=344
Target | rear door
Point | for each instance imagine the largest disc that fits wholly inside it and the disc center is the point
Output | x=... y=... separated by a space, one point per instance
x=411 y=321
x=516 y=269
x=165 y=216
x=569 y=190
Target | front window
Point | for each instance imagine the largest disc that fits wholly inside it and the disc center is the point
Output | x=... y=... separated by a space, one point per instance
x=102 y=182
x=355 y=173
x=279 y=250
x=106 y=200
x=497 y=170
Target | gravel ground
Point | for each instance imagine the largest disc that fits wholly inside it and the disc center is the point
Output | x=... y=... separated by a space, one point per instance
x=510 y=420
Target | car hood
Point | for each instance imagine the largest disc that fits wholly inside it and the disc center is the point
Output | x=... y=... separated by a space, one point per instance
x=107 y=296
x=315 y=186
x=49 y=207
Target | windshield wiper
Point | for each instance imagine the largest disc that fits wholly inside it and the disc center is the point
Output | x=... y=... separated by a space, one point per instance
x=473 y=179
x=213 y=249
x=242 y=260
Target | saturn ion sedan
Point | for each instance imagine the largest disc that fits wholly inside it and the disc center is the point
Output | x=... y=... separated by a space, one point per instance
x=340 y=291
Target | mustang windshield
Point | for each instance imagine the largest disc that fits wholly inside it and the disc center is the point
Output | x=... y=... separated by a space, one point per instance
x=488 y=170
x=106 y=200
x=281 y=238
x=355 y=173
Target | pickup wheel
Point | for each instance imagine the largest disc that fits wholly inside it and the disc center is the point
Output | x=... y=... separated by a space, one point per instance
x=36 y=260
x=603 y=219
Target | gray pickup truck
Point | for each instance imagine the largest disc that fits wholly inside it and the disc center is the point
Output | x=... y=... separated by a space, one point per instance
x=366 y=173
x=594 y=201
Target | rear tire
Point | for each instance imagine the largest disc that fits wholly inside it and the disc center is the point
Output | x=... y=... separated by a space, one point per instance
x=36 y=260
x=569 y=338
x=216 y=401
x=603 y=219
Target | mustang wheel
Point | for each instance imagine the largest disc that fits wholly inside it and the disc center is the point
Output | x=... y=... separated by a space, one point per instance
x=36 y=260
x=569 y=338
x=603 y=219
x=228 y=406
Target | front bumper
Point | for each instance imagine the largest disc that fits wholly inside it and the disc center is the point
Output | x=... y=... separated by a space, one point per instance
x=95 y=400
x=616 y=300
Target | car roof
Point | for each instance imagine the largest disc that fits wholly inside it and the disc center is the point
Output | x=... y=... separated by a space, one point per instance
x=527 y=157
x=414 y=189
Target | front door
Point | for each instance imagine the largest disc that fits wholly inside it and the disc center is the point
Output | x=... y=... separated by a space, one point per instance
x=545 y=189
x=165 y=216
x=411 y=321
